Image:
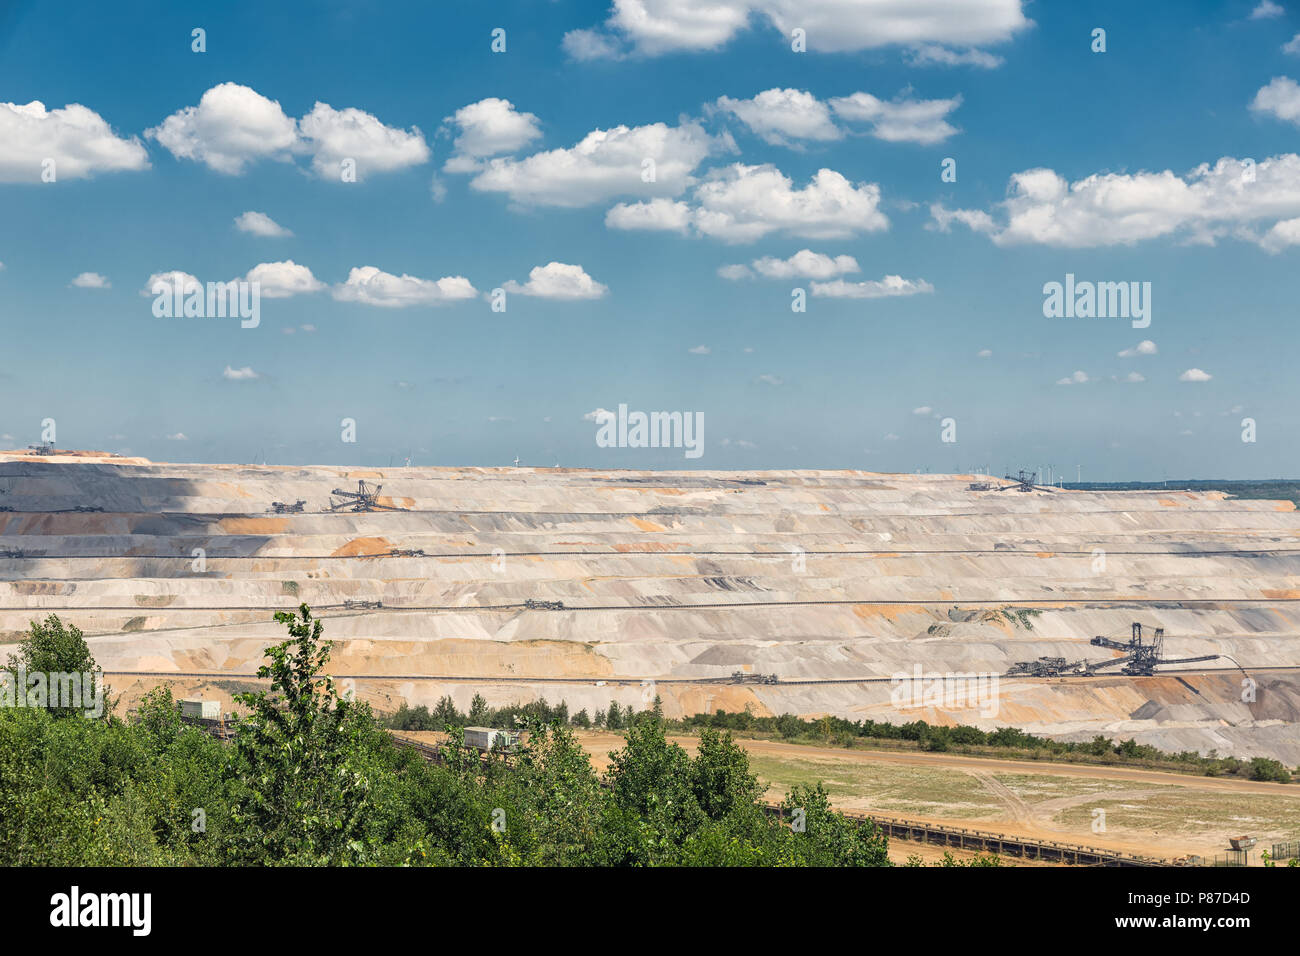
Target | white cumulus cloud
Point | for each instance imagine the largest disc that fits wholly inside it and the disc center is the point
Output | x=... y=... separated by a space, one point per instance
x=244 y=374
x=934 y=55
x=332 y=136
x=781 y=116
x=558 y=280
x=233 y=126
x=279 y=280
x=1230 y=197
x=1195 y=375
x=1145 y=347
x=91 y=280
x=655 y=27
x=743 y=203
x=1283 y=233
x=78 y=140
x=942 y=218
x=804 y=264
x=1279 y=99
x=260 y=224
x=371 y=286
x=488 y=128
x=592 y=45
x=653 y=160
x=166 y=283
x=876 y=289
x=902 y=120
x=735 y=272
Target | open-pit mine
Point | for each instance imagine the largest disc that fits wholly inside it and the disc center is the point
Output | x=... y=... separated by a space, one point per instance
x=803 y=592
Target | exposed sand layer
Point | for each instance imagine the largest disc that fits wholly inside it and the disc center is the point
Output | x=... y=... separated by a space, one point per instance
x=675 y=576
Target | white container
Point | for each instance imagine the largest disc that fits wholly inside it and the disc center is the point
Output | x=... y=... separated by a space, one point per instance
x=485 y=738
x=205 y=709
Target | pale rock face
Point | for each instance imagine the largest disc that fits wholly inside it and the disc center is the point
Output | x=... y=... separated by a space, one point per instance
x=674 y=577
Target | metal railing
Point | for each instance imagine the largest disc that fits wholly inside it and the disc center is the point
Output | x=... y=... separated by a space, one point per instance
x=1285 y=851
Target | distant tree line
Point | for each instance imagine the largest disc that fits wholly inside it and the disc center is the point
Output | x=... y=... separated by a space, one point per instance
x=445 y=715
x=933 y=737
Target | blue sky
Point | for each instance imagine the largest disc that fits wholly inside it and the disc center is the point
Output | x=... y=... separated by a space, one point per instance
x=522 y=170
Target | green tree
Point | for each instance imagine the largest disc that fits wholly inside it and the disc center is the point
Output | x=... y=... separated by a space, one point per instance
x=937 y=739
x=1262 y=768
x=788 y=725
x=478 y=711
x=446 y=715
x=301 y=755
x=979 y=859
x=653 y=781
x=559 y=796
x=61 y=656
x=158 y=718
x=721 y=779
x=827 y=838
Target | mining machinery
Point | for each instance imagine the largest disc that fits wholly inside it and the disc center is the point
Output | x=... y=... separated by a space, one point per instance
x=532 y=605
x=1046 y=667
x=740 y=677
x=1025 y=481
x=364 y=498
x=1141 y=658
x=349 y=605
x=407 y=553
x=283 y=508
x=42 y=448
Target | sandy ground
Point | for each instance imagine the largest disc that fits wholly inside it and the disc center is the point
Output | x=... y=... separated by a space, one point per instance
x=974 y=764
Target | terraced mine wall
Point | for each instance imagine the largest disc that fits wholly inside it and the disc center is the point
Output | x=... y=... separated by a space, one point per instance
x=670 y=583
